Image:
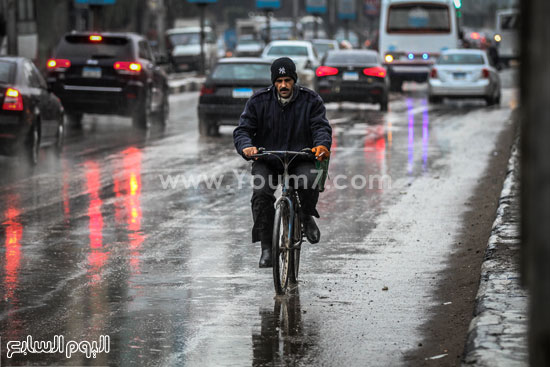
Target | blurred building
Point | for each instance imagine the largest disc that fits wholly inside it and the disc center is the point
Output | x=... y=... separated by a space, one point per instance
x=19 y=28
x=482 y=14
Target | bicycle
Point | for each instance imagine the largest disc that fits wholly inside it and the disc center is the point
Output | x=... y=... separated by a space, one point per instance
x=288 y=233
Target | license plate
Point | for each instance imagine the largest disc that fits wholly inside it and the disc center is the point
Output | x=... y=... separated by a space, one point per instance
x=349 y=75
x=242 y=92
x=88 y=72
x=459 y=75
x=184 y=66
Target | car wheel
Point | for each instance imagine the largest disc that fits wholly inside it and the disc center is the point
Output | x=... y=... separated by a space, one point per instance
x=162 y=114
x=434 y=99
x=396 y=85
x=490 y=100
x=214 y=129
x=32 y=145
x=142 y=116
x=60 y=141
x=75 y=119
x=384 y=104
x=208 y=127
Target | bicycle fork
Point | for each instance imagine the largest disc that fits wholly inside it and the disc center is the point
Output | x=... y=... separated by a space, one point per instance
x=294 y=240
x=289 y=243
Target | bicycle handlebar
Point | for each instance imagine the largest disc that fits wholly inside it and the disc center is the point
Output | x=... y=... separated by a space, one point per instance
x=305 y=153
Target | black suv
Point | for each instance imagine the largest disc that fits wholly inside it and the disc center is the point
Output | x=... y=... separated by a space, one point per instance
x=108 y=73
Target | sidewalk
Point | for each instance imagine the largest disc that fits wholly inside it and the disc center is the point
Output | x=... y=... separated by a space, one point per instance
x=498 y=333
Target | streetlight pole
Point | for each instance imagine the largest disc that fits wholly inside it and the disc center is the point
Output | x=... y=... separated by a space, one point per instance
x=202 y=9
x=11 y=26
x=267 y=26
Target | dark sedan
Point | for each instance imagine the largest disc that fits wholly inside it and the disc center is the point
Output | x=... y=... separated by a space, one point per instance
x=31 y=116
x=226 y=90
x=109 y=73
x=352 y=75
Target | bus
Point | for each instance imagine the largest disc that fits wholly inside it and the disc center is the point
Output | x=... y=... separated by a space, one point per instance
x=507 y=27
x=412 y=35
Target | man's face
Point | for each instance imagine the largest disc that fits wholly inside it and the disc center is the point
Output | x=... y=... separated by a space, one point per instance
x=284 y=86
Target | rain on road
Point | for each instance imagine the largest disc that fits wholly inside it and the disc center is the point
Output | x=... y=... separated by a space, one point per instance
x=93 y=244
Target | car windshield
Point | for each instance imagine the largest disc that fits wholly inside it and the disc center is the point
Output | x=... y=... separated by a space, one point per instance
x=242 y=71
x=185 y=39
x=461 y=59
x=321 y=48
x=81 y=46
x=6 y=68
x=347 y=57
x=287 y=51
x=419 y=18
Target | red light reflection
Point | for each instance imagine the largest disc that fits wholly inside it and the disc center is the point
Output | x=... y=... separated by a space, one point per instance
x=12 y=264
x=127 y=187
x=97 y=257
x=14 y=233
x=375 y=142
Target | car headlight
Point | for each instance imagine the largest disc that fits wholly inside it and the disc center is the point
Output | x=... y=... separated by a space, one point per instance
x=388 y=58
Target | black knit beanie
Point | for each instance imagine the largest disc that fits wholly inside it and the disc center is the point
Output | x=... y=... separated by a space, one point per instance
x=283 y=67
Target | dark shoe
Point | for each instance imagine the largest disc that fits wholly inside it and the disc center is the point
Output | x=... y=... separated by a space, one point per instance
x=313 y=234
x=265 y=259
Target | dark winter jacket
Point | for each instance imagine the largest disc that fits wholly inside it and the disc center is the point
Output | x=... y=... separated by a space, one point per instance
x=266 y=123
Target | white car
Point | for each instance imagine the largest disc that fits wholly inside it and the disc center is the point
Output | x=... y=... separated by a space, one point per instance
x=464 y=74
x=301 y=52
x=185 y=48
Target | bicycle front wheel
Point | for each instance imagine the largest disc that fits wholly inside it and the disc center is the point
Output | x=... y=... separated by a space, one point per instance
x=281 y=254
x=295 y=253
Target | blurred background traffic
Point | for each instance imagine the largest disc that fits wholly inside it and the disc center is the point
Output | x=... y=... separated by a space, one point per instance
x=32 y=28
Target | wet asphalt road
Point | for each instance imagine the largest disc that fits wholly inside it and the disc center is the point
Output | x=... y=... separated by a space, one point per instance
x=92 y=244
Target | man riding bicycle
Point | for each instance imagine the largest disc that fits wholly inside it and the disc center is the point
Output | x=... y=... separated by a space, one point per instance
x=289 y=117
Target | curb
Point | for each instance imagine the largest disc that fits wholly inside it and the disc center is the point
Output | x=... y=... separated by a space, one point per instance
x=497 y=335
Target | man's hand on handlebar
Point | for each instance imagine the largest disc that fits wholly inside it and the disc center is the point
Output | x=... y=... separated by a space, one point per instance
x=250 y=151
x=321 y=152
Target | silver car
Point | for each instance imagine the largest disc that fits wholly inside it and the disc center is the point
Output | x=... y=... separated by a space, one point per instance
x=464 y=74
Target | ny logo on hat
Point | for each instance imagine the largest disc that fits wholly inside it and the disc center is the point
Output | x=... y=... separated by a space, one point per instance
x=282 y=71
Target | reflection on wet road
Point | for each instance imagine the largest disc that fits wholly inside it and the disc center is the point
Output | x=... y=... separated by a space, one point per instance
x=100 y=243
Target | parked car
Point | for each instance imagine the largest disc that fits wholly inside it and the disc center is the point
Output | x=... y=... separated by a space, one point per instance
x=227 y=89
x=322 y=46
x=108 y=73
x=31 y=115
x=184 y=45
x=301 y=52
x=464 y=74
x=353 y=75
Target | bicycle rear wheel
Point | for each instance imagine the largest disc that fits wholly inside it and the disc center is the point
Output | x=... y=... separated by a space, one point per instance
x=281 y=254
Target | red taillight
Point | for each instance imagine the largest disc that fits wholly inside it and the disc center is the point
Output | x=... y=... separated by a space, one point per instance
x=326 y=71
x=207 y=90
x=376 y=71
x=58 y=64
x=485 y=73
x=127 y=67
x=13 y=101
x=96 y=38
x=433 y=73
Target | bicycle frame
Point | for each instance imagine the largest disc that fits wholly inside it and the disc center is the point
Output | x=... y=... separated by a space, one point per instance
x=288 y=193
